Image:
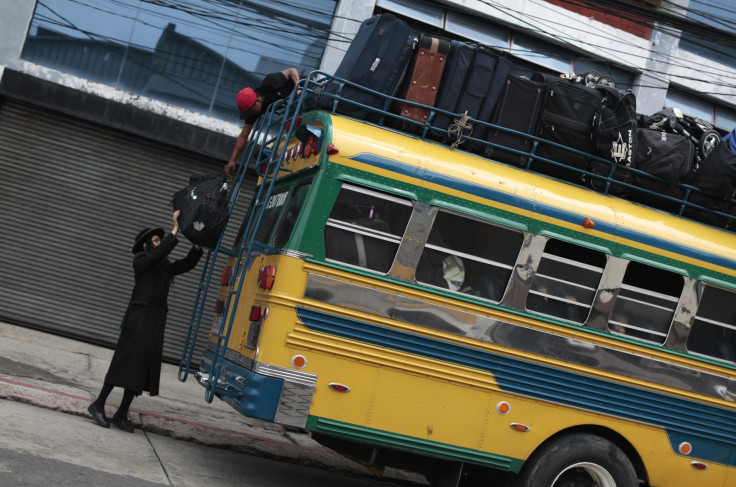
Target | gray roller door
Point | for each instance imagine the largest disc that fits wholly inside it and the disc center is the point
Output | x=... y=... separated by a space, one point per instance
x=74 y=195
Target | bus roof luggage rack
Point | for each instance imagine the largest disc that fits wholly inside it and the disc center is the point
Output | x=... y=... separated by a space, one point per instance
x=681 y=194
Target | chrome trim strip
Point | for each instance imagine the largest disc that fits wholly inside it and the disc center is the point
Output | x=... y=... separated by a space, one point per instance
x=413 y=242
x=526 y=268
x=385 y=305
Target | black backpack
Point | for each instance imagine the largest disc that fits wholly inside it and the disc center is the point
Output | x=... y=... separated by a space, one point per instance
x=615 y=139
x=203 y=206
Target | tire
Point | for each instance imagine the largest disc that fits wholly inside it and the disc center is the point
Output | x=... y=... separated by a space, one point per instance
x=708 y=141
x=578 y=460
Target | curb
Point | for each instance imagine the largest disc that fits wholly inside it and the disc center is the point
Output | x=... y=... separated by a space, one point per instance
x=187 y=430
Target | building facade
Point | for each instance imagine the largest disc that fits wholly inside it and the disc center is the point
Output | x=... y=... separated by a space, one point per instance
x=107 y=107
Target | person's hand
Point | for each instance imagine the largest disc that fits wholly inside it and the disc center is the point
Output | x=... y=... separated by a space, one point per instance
x=175 y=219
x=229 y=167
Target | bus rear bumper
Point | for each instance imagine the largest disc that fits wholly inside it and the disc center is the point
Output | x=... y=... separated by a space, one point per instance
x=269 y=392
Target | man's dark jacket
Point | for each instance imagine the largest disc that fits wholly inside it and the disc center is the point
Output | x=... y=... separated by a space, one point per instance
x=136 y=364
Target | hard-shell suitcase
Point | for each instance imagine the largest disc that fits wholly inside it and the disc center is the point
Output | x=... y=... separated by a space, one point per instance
x=667 y=156
x=422 y=79
x=567 y=116
x=716 y=177
x=518 y=109
x=471 y=84
x=615 y=139
x=377 y=60
x=203 y=209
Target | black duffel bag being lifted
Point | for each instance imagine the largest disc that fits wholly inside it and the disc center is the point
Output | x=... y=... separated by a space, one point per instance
x=203 y=209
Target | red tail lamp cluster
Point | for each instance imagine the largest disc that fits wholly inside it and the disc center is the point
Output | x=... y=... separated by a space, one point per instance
x=226 y=277
x=255 y=313
x=266 y=276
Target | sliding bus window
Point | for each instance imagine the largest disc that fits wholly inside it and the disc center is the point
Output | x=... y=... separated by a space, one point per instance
x=365 y=228
x=566 y=281
x=469 y=256
x=713 y=332
x=646 y=302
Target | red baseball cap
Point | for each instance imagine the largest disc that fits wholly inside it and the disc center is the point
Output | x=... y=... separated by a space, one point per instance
x=245 y=100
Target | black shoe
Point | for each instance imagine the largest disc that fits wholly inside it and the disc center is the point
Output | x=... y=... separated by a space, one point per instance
x=122 y=423
x=98 y=416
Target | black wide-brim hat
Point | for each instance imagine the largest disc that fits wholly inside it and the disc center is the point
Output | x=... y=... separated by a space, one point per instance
x=144 y=235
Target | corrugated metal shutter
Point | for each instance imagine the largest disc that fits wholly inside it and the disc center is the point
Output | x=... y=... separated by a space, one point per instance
x=74 y=195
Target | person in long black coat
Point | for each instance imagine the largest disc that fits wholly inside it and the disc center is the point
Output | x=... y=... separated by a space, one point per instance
x=136 y=363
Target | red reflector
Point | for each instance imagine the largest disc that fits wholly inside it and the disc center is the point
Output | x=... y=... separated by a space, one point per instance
x=588 y=223
x=331 y=149
x=255 y=313
x=227 y=274
x=338 y=387
x=520 y=427
x=266 y=277
x=699 y=465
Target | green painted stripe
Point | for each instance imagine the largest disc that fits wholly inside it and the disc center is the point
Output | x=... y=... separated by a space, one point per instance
x=433 y=449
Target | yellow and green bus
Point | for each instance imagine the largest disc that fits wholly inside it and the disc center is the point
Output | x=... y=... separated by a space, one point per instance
x=421 y=307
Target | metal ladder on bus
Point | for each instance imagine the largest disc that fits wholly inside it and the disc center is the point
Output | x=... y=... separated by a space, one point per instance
x=267 y=164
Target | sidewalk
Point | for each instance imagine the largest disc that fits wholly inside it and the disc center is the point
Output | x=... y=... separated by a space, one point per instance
x=66 y=375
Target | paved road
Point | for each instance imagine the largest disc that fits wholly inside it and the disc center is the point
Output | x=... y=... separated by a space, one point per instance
x=43 y=447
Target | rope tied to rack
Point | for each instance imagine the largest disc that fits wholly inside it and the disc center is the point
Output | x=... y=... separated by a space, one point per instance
x=456 y=129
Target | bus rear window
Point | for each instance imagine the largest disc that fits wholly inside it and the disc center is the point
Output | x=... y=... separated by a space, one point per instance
x=365 y=228
x=293 y=208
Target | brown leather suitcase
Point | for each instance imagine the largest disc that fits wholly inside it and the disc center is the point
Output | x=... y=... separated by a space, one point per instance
x=422 y=79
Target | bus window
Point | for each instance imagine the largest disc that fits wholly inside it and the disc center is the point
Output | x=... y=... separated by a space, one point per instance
x=273 y=210
x=566 y=281
x=292 y=213
x=646 y=302
x=714 y=330
x=470 y=256
x=365 y=228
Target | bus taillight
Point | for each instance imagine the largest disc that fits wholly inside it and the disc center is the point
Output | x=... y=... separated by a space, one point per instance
x=255 y=313
x=227 y=275
x=266 y=276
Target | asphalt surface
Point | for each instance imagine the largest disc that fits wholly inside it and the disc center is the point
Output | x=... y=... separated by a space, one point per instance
x=65 y=375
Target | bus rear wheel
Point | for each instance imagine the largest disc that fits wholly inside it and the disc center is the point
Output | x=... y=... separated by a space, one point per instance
x=578 y=460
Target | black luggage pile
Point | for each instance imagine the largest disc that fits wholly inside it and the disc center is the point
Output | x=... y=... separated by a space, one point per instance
x=579 y=129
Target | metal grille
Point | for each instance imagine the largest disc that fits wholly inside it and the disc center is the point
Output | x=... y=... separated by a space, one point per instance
x=74 y=195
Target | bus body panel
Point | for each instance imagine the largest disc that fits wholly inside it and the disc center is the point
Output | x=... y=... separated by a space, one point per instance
x=382 y=361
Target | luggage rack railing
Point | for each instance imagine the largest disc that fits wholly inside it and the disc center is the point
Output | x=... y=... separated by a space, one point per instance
x=385 y=116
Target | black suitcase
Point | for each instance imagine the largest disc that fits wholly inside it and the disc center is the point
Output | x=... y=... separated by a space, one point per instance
x=568 y=112
x=422 y=80
x=669 y=157
x=203 y=209
x=471 y=83
x=518 y=109
x=716 y=177
x=377 y=60
x=615 y=139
